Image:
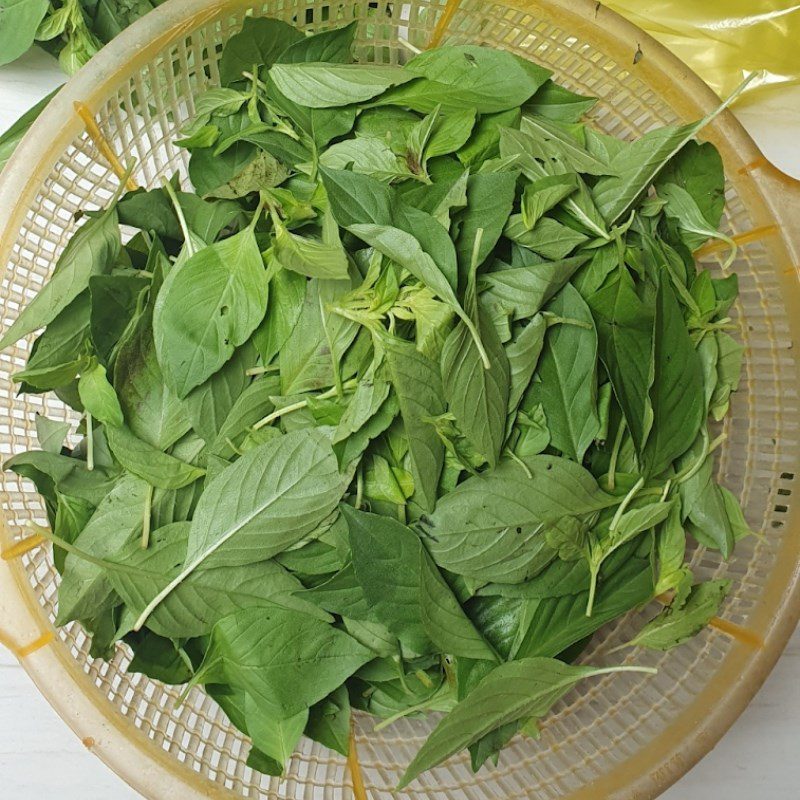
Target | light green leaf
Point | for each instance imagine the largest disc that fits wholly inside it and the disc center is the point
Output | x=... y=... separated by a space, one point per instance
x=443 y=619
x=674 y=626
x=152 y=465
x=91 y=251
x=206 y=308
x=518 y=690
x=321 y=85
x=567 y=372
x=98 y=396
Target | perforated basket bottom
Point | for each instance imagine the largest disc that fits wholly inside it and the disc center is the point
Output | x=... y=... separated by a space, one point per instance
x=604 y=722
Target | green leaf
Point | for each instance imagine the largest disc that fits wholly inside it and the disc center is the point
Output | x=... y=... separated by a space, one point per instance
x=261 y=41
x=19 y=21
x=386 y=560
x=98 y=396
x=625 y=331
x=208 y=306
x=489 y=201
x=151 y=409
x=85 y=588
x=418 y=386
x=681 y=207
x=152 y=465
x=283 y=659
x=567 y=385
x=287 y=291
x=557 y=103
x=316 y=258
x=580 y=204
x=91 y=251
x=491 y=526
x=637 y=165
x=518 y=690
x=478 y=397
x=467 y=76
x=319 y=340
x=523 y=357
x=541 y=195
x=252 y=404
x=207 y=595
x=51 y=434
x=676 y=393
x=697 y=168
x=522 y=291
x=369 y=156
x=274 y=735
x=484 y=143
x=549 y=238
x=321 y=85
x=331 y=46
x=209 y=404
x=674 y=626
x=289 y=485
x=114 y=299
x=329 y=721
x=557 y=140
x=443 y=619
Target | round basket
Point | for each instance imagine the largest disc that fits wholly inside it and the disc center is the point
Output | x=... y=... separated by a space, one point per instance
x=620 y=738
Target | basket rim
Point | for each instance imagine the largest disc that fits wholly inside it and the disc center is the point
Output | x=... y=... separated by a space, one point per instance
x=142 y=763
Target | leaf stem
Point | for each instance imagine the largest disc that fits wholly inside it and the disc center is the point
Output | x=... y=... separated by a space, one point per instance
x=475 y=336
x=146 y=517
x=261 y=370
x=89 y=442
x=300 y=404
x=176 y=203
x=612 y=463
x=626 y=501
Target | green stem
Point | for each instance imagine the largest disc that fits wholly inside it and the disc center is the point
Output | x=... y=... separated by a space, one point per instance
x=359 y=485
x=514 y=457
x=337 y=376
x=253 y=371
x=594 y=570
x=612 y=463
x=176 y=204
x=300 y=404
x=89 y=442
x=475 y=336
x=612 y=528
x=147 y=516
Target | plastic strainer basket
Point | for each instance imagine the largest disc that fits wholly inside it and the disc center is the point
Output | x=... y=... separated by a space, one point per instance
x=625 y=736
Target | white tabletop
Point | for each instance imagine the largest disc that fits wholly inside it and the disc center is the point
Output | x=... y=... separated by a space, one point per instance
x=39 y=756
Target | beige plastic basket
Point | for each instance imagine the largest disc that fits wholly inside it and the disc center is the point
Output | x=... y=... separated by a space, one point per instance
x=619 y=738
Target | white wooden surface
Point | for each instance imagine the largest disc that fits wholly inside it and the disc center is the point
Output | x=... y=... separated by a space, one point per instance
x=39 y=756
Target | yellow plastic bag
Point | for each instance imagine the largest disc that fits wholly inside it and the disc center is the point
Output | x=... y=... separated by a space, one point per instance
x=725 y=40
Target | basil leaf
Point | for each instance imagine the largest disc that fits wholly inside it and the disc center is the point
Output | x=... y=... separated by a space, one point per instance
x=91 y=251
x=142 y=459
x=625 y=331
x=418 y=387
x=674 y=626
x=567 y=377
x=518 y=690
x=208 y=306
x=283 y=659
x=386 y=561
x=443 y=619
x=676 y=393
x=322 y=85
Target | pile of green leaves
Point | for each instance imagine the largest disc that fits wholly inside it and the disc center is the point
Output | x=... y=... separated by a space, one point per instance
x=403 y=403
